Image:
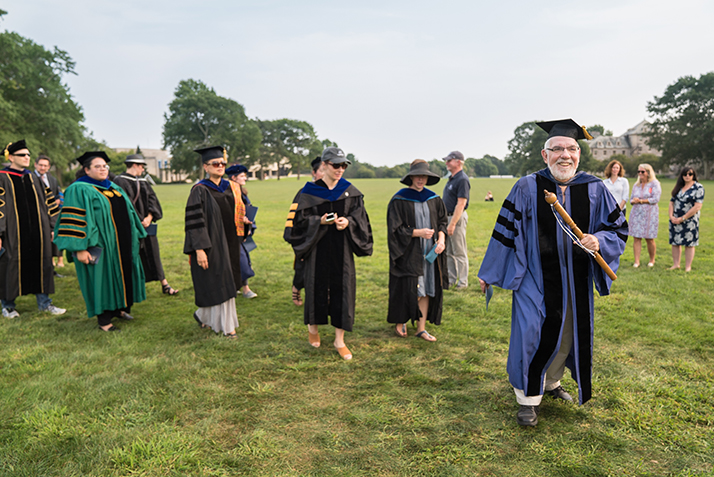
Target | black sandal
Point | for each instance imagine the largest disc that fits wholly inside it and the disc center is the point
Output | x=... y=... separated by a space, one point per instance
x=167 y=290
x=297 y=299
x=200 y=323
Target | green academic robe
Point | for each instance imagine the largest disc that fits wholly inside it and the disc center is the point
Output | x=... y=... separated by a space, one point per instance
x=95 y=216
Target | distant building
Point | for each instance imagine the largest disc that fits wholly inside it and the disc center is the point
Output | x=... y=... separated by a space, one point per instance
x=632 y=143
x=158 y=163
x=272 y=170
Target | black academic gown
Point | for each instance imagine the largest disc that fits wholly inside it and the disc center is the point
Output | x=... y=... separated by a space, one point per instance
x=406 y=258
x=205 y=230
x=28 y=212
x=145 y=202
x=328 y=254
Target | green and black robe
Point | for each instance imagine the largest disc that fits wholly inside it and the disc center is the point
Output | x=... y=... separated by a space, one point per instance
x=99 y=214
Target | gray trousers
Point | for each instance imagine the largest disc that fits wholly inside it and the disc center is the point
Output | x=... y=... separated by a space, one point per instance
x=457 y=259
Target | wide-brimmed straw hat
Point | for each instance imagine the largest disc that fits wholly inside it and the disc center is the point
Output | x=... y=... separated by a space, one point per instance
x=420 y=169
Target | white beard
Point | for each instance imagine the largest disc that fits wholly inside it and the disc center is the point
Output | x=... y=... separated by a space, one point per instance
x=563 y=176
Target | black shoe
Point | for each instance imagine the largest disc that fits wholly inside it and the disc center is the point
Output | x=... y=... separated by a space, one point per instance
x=527 y=415
x=560 y=393
x=198 y=320
x=111 y=328
x=125 y=316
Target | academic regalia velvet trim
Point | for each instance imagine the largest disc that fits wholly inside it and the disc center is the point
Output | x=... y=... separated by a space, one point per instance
x=529 y=254
x=406 y=257
x=99 y=214
x=204 y=227
x=28 y=212
x=330 y=286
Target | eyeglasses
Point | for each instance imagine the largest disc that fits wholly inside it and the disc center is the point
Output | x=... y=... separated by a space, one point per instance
x=216 y=164
x=690 y=173
x=342 y=165
x=101 y=166
x=21 y=155
x=560 y=150
x=642 y=172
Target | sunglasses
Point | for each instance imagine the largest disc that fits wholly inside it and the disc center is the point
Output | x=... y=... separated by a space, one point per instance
x=339 y=166
x=21 y=155
x=216 y=164
x=642 y=172
x=690 y=173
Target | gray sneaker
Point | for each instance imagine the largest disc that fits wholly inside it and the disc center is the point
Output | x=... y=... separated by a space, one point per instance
x=10 y=313
x=250 y=294
x=55 y=310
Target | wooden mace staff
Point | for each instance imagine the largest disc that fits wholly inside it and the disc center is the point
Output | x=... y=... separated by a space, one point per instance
x=552 y=199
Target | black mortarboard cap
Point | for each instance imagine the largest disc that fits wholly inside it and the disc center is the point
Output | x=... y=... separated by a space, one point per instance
x=211 y=152
x=13 y=147
x=566 y=128
x=315 y=164
x=87 y=157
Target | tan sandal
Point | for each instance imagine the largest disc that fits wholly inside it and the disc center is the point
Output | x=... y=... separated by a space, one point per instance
x=401 y=330
x=314 y=339
x=344 y=352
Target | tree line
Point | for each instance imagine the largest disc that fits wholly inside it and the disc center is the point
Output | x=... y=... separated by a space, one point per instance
x=36 y=104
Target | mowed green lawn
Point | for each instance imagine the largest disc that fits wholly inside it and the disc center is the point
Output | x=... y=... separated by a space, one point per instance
x=164 y=397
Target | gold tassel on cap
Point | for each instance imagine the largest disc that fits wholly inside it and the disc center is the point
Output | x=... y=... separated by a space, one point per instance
x=225 y=155
x=7 y=150
x=587 y=134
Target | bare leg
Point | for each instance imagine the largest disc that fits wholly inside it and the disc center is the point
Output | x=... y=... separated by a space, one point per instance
x=637 y=248
x=424 y=309
x=688 y=258
x=676 y=256
x=651 y=250
x=340 y=344
x=339 y=337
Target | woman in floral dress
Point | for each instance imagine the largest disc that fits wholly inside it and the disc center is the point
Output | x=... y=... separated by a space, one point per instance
x=644 y=218
x=684 y=207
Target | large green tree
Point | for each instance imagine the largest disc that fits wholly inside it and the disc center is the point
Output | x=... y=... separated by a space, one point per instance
x=525 y=151
x=683 y=123
x=480 y=167
x=199 y=117
x=35 y=104
x=290 y=139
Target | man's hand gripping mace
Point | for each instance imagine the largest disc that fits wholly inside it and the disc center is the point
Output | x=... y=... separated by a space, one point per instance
x=552 y=199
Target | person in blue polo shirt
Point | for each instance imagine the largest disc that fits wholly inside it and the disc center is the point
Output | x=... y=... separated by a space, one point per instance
x=456 y=199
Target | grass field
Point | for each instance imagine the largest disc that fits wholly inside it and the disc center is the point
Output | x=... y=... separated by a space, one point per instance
x=164 y=398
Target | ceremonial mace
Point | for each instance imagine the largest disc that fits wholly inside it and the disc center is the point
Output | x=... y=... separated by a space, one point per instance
x=552 y=199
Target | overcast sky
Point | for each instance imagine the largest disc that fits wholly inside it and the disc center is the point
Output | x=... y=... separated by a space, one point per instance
x=389 y=81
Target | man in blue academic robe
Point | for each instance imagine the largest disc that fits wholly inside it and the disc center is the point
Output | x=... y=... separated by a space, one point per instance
x=551 y=277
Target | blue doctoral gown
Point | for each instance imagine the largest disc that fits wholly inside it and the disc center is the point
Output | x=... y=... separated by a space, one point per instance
x=529 y=254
